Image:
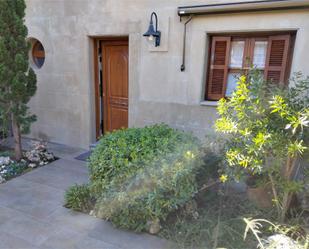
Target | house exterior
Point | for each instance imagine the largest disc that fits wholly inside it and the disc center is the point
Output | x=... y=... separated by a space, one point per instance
x=96 y=72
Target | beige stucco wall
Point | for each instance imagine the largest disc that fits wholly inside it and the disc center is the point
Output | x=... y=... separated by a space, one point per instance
x=158 y=91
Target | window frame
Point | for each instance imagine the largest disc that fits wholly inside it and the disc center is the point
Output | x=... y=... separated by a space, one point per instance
x=249 y=39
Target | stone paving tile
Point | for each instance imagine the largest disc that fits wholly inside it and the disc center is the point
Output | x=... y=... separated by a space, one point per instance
x=67 y=165
x=32 y=216
x=104 y=231
x=70 y=165
x=68 y=239
x=8 y=241
x=28 y=229
x=99 y=230
x=79 y=222
x=7 y=214
x=39 y=210
x=26 y=192
x=57 y=178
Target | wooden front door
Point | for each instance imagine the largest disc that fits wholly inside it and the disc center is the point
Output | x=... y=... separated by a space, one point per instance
x=115 y=61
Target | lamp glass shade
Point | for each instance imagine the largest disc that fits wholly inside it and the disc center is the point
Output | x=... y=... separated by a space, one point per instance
x=151 y=31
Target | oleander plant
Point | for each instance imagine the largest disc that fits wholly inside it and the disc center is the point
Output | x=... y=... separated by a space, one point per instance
x=267 y=131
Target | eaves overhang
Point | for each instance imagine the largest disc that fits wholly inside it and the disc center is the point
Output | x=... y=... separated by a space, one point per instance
x=238 y=7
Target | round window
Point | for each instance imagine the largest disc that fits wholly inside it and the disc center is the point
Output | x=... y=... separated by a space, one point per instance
x=38 y=54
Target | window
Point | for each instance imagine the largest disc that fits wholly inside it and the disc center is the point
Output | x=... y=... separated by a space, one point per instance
x=232 y=56
x=38 y=53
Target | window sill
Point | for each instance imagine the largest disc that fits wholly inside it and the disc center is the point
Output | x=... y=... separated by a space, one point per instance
x=209 y=103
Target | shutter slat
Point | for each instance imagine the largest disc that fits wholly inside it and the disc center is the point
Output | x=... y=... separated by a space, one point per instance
x=220 y=53
x=216 y=85
x=217 y=79
x=276 y=60
x=38 y=53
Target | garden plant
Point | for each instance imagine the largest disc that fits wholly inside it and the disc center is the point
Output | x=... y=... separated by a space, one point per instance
x=165 y=181
x=138 y=176
x=267 y=127
x=17 y=79
x=262 y=129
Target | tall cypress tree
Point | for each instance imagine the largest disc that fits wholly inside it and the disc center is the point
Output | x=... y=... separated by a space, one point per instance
x=17 y=79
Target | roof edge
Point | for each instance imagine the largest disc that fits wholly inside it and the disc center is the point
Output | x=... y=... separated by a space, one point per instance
x=238 y=7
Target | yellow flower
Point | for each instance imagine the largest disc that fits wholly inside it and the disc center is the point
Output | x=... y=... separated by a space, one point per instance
x=243 y=79
x=189 y=154
x=223 y=178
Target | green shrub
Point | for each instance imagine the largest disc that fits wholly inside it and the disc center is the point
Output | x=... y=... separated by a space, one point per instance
x=151 y=194
x=140 y=175
x=78 y=198
x=121 y=153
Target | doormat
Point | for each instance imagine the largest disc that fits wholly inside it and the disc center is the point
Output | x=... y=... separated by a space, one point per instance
x=84 y=156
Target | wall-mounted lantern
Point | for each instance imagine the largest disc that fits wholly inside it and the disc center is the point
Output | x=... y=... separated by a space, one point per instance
x=153 y=33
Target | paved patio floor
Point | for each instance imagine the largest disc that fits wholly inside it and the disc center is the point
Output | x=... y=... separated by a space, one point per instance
x=32 y=216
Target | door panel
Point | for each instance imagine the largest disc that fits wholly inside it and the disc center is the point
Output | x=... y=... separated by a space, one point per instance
x=115 y=85
x=119 y=118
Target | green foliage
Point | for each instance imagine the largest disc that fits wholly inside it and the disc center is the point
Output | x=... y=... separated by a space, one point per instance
x=153 y=192
x=263 y=122
x=78 y=198
x=140 y=175
x=17 y=80
x=6 y=153
x=267 y=129
x=218 y=224
x=121 y=154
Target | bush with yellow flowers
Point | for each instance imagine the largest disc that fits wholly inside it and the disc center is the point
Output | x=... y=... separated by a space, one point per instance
x=267 y=133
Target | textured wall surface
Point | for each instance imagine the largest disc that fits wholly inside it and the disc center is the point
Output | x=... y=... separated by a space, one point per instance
x=158 y=91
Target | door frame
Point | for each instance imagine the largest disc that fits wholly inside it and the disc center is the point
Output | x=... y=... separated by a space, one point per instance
x=96 y=41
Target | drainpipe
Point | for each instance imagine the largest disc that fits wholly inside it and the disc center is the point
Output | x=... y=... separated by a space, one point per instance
x=183 y=66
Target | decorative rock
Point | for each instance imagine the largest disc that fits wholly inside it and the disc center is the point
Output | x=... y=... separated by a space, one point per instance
x=5 y=160
x=38 y=154
x=280 y=241
x=32 y=165
x=2 y=180
x=154 y=226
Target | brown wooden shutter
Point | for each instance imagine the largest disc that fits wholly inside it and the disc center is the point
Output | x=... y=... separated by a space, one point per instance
x=277 y=58
x=218 y=71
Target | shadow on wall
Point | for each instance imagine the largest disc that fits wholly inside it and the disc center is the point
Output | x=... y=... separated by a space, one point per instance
x=43 y=137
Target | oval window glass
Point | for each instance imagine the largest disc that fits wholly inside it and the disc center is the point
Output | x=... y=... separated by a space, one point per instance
x=38 y=54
